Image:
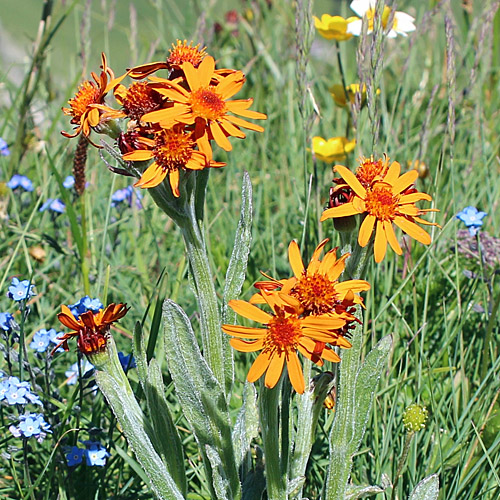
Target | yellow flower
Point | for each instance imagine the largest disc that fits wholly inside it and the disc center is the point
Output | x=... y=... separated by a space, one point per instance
x=389 y=198
x=284 y=334
x=401 y=25
x=333 y=149
x=334 y=27
x=339 y=94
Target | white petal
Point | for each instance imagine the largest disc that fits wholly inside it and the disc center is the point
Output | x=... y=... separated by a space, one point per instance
x=404 y=22
x=354 y=28
x=362 y=6
x=392 y=34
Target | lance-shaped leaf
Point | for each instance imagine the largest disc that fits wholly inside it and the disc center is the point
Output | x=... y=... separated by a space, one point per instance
x=236 y=271
x=427 y=489
x=201 y=398
x=137 y=429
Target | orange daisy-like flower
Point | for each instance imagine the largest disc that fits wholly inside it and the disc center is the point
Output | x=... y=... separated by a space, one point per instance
x=180 y=53
x=285 y=334
x=206 y=105
x=91 y=329
x=172 y=150
x=317 y=287
x=84 y=107
x=387 y=200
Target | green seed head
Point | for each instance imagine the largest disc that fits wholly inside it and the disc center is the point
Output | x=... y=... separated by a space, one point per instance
x=414 y=417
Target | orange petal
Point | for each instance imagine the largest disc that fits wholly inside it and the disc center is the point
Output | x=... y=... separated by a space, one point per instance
x=275 y=369
x=231 y=85
x=330 y=355
x=392 y=174
x=413 y=230
x=295 y=372
x=245 y=346
x=380 y=246
x=173 y=178
x=249 y=311
x=413 y=197
x=408 y=210
x=220 y=137
x=366 y=230
x=244 y=332
x=232 y=130
x=259 y=365
x=341 y=211
x=391 y=237
x=351 y=179
x=295 y=259
x=244 y=123
x=93 y=117
x=319 y=249
x=153 y=176
x=406 y=180
x=138 y=155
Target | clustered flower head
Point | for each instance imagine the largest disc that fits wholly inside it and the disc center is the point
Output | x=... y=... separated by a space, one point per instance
x=31 y=425
x=415 y=417
x=382 y=197
x=43 y=338
x=172 y=121
x=21 y=181
x=311 y=313
x=91 y=329
x=85 y=304
x=15 y=392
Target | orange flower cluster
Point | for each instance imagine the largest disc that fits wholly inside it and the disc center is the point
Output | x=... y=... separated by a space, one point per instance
x=383 y=197
x=91 y=329
x=173 y=120
x=311 y=313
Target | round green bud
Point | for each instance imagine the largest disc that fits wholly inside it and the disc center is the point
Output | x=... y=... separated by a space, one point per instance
x=415 y=417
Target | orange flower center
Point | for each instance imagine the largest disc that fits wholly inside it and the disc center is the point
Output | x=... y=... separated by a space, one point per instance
x=182 y=52
x=141 y=99
x=380 y=201
x=172 y=149
x=369 y=170
x=93 y=340
x=207 y=103
x=283 y=333
x=315 y=293
x=87 y=94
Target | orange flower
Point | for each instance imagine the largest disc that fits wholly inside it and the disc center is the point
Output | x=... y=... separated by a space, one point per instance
x=206 y=105
x=284 y=334
x=91 y=329
x=180 y=53
x=386 y=200
x=137 y=100
x=84 y=107
x=317 y=287
x=172 y=150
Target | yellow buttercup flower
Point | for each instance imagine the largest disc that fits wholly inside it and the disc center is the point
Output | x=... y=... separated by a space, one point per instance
x=334 y=27
x=333 y=149
x=339 y=94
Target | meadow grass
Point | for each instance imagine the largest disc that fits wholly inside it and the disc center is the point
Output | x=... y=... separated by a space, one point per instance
x=438 y=103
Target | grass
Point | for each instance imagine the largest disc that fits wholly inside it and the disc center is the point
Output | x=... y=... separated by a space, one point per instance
x=439 y=101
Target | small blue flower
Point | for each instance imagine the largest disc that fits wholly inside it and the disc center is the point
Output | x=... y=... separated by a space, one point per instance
x=6 y=321
x=15 y=395
x=30 y=425
x=127 y=362
x=56 y=206
x=41 y=340
x=72 y=373
x=74 y=455
x=472 y=218
x=85 y=304
x=95 y=454
x=127 y=195
x=20 y=181
x=20 y=290
x=69 y=182
x=4 y=148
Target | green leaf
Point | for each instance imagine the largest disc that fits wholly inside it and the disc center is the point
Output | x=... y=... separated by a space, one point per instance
x=366 y=384
x=200 y=396
x=236 y=272
x=427 y=489
x=246 y=427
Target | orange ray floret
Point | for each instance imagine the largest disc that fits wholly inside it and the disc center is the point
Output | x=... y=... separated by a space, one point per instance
x=385 y=201
x=317 y=287
x=91 y=329
x=206 y=105
x=285 y=334
x=84 y=107
x=172 y=151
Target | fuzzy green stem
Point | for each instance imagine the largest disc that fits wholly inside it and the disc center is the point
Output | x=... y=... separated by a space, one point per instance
x=401 y=462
